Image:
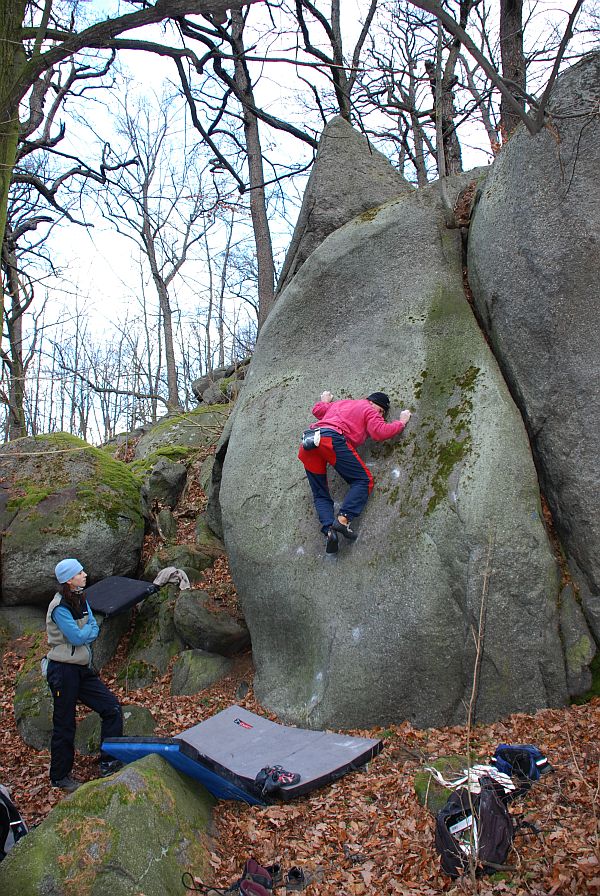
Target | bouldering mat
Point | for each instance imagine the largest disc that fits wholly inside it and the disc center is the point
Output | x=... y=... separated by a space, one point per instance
x=116 y=594
x=235 y=744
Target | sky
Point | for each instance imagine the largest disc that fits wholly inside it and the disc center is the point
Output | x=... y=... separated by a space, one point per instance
x=99 y=269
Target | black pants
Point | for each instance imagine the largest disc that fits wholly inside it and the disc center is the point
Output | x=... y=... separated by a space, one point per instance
x=70 y=684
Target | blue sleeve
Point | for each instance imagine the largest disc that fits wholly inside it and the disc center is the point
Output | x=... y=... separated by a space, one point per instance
x=70 y=629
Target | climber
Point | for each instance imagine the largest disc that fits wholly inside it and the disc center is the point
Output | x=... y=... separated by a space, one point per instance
x=71 y=629
x=343 y=426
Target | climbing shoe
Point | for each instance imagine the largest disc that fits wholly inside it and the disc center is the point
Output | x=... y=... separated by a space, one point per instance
x=67 y=783
x=345 y=530
x=332 y=542
x=109 y=767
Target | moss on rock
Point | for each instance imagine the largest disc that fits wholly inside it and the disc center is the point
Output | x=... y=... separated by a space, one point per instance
x=136 y=832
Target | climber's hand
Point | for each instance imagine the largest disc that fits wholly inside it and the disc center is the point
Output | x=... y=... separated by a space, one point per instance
x=326 y=396
x=405 y=416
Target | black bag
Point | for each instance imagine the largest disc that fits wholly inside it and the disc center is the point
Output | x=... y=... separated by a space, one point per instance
x=475 y=826
x=12 y=826
x=311 y=438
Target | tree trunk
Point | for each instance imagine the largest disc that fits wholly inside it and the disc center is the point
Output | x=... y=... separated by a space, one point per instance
x=12 y=60
x=258 y=207
x=513 y=62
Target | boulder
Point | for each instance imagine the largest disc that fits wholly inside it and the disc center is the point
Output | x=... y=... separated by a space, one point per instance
x=23 y=620
x=154 y=641
x=578 y=643
x=192 y=559
x=213 y=394
x=349 y=177
x=534 y=266
x=195 y=670
x=166 y=525
x=385 y=632
x=137 y=722
x=60 y=497
x=197 y=429
x=165 y=483
x=135 y=832
x=212 y=630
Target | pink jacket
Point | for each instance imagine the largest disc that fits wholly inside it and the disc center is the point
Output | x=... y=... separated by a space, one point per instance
x=356 y=419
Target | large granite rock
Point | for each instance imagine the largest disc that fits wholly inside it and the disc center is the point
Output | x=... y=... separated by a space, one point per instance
x=60 y=497
x=534 y=266
x=349 y=177
x=174 y=437
x=385 y=632
x=135 y=832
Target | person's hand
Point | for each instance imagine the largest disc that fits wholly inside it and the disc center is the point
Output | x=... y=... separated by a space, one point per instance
x=326 y=396
x=405 y=416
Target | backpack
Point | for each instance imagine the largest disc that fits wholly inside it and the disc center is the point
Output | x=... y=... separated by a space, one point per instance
x=12 y=826
x=474 y=825
x=522 y=761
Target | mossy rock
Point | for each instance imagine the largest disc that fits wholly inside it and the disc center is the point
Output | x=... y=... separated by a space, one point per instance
x=61 y=497
x=431 y=794
x=594 y=690
x=33 y=708
x=137 y=722
x=195 y=670
x=154 y=640
x=191 y=558
x=198 y=429
x=137 y=674
x=135 y=832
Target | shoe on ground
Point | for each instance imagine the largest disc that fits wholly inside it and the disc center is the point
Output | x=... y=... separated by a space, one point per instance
x=345 y=530
x=67 y=783
x=109 y=767
x=331 y=546
x=295 y=879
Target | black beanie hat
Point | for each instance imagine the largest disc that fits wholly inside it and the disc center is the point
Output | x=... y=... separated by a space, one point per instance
x=381 y=399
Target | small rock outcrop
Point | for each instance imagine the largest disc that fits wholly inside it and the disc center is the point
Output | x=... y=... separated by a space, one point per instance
x=60 y=497
x=197 y=429
x=212 y=630
x=534 y=267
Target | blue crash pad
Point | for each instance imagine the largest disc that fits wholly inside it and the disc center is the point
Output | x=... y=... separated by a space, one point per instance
x=226 y=752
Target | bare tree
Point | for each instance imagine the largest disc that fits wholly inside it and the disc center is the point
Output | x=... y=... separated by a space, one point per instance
x=163 y=204
x=36 y=37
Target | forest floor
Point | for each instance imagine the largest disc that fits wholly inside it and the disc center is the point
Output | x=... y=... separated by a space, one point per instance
x=366 y=833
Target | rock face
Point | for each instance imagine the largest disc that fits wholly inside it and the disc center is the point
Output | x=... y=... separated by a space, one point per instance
x=215 y=631
x=197 y=429
x=59 y=497
x=129 y=834
x=348 y=178
x=538 y=298
x=384 y=632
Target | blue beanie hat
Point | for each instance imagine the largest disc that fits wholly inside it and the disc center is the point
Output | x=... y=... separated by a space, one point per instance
x=66 y=569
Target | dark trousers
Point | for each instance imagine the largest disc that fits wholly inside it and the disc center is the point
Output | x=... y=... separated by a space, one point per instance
x=71 y=684
x=338 y=453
